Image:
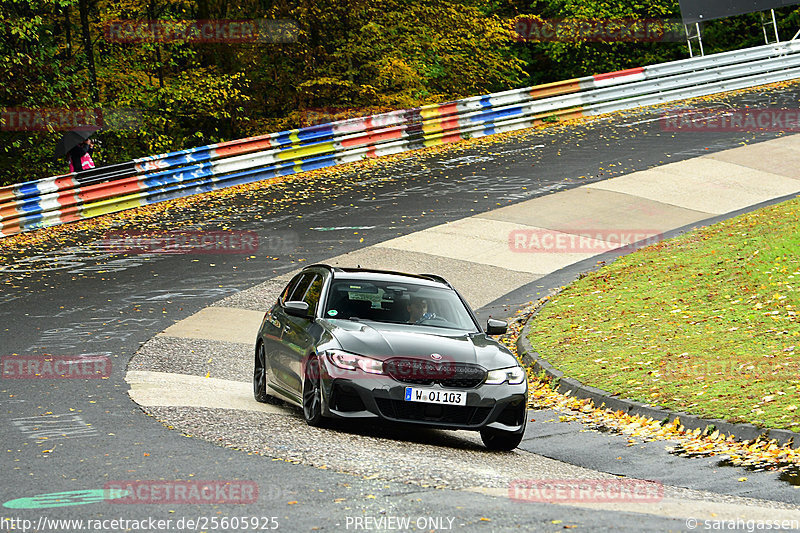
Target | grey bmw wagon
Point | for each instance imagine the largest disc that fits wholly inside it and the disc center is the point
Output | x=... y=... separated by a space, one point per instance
x=402 y=348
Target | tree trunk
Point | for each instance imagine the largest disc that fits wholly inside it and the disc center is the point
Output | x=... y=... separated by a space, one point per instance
x=203 y=14
x=152 y=15
x=68 y=32
x=83 y=6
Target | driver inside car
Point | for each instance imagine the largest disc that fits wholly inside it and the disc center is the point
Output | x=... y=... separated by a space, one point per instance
x=418 y=310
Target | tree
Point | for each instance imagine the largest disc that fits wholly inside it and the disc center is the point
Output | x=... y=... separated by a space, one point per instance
x=39 y=70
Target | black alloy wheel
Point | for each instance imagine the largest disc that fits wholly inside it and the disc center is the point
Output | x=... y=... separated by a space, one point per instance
x=312 y=393
x=260 y=375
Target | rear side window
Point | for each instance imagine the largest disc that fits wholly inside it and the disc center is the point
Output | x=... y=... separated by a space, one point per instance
x=289 y=289
x=300 y=289
x=305 y=287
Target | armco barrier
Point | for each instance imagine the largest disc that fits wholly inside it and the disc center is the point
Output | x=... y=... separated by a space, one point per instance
x=61 y=199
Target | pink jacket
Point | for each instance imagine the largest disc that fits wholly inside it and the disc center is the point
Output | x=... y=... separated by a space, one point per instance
x=86 y=163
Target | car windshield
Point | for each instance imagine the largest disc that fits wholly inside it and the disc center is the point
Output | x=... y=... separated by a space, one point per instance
x=398 y=303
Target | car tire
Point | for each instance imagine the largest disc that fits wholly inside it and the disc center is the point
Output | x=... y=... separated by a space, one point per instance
x=260 y=375
x=500 y=441
x=312 y=393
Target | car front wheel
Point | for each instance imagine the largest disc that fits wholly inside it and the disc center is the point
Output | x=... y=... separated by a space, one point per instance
x=501 y=441
x=312 y=394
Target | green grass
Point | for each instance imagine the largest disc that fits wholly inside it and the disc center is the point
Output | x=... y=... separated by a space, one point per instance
x=705 y=323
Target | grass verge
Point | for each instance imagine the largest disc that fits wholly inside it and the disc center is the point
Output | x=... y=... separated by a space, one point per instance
x=704 y=323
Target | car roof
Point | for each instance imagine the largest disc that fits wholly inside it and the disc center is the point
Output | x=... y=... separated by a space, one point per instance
x=368 y=274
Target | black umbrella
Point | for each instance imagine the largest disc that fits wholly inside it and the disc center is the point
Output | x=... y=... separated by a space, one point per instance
x=71 y=139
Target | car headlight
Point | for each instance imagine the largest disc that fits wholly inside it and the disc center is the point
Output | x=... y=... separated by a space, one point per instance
x=514 y=375
x=351 y=361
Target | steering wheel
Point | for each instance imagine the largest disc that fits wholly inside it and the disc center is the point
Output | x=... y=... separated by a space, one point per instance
x=430 y=316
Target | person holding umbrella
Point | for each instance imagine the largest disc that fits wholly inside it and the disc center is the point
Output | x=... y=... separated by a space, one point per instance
x=78 y=147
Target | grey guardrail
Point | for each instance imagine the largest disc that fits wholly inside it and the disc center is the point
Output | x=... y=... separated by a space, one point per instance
x=153 y=179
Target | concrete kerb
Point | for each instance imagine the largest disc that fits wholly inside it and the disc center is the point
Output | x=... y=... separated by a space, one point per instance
x=601 y=398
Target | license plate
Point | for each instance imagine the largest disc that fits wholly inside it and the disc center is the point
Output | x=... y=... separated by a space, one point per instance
x=414 y=394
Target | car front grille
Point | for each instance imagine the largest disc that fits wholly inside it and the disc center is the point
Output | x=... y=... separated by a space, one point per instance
x=426 y=412
x=446 y=374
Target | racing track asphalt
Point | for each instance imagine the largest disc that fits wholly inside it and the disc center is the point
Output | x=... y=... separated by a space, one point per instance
x=697 y=190
x=93 y=302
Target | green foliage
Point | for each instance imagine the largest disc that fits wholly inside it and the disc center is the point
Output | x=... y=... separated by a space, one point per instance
x=38 y=70
x=393 y=53
x=747 y=30
x=554 y=61
x=581 y=57
x=433 y=50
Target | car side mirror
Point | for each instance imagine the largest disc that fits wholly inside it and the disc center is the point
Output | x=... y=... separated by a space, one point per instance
x=496 y=327
x=296 y=308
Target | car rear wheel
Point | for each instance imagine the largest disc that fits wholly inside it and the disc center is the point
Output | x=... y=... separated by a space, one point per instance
x=312 y=393
x=502 y=441
x=260 y=375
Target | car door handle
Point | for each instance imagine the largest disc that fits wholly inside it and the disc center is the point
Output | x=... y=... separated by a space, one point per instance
x=287 y=328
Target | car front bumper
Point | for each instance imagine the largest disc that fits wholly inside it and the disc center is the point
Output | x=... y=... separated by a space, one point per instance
x=500 y=407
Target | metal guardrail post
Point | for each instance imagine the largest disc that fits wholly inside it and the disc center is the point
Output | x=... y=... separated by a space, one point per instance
x=696 y=35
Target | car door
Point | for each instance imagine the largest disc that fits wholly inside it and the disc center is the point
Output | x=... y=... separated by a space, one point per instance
x=275 y=331
x=301 y=334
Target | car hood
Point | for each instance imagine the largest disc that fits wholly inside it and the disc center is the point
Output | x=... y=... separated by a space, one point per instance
x=382 y=341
